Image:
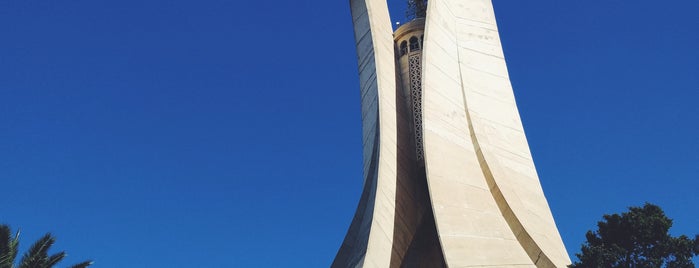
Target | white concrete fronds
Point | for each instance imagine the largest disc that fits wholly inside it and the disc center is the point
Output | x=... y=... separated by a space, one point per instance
x=449 y=180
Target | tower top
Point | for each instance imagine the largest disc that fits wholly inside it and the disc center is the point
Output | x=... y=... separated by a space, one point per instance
x=412 y=26
x=416 y=9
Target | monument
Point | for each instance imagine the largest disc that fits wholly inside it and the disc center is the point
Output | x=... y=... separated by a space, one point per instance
x=449 y=180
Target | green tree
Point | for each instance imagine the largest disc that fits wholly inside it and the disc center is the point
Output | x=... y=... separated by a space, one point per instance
x=36 y=257
x=638 y=238
x=416 y=9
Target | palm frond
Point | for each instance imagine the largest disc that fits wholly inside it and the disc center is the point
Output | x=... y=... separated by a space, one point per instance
x=5 y=240
x=37 y=256
x=82 y=264
x=8 y=246
x=5 y=237
x=55 y=258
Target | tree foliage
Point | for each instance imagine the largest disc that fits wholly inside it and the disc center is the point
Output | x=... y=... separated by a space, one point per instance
x=416 y=9
x=36 y=257
x=638 y=238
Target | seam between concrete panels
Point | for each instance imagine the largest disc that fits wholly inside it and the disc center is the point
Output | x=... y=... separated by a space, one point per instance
x=511 y=219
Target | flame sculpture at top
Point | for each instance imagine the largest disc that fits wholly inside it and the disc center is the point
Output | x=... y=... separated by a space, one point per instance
x=449 y=180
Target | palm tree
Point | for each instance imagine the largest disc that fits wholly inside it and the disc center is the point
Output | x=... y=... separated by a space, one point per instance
x=416 y=9
x=36 y=257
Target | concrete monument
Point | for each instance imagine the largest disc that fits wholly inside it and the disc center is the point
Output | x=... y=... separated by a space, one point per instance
x=449 y=180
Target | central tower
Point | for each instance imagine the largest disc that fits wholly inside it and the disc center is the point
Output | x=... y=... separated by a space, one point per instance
x=415 y=233
x=408 y=46
x=448 y=177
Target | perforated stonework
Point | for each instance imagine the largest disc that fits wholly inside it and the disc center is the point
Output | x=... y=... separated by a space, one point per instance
x=416 y=101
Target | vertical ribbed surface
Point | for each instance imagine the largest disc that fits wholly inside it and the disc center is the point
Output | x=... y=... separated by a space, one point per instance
x=472 y=126
x=370 y=239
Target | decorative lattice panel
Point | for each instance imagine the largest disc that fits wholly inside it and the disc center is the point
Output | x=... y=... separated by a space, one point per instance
x=416 y=100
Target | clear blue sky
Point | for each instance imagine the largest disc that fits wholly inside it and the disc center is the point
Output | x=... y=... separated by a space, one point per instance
x=227 y=133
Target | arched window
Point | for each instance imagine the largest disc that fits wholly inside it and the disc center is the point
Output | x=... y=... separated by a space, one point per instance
x=403 y=48
x=414 y=45
x=422 y=40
